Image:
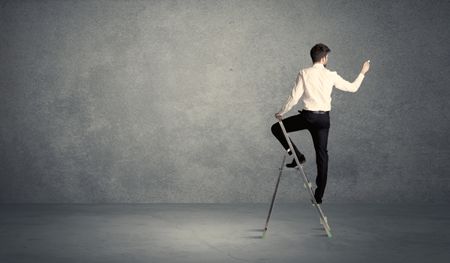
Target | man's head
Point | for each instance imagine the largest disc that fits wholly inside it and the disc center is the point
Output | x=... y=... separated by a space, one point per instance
x=319 y=53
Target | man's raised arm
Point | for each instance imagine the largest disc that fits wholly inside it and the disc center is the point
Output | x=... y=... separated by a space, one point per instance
x=345 y=85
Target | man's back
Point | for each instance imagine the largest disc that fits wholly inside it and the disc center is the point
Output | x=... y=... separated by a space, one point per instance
x=317 y=84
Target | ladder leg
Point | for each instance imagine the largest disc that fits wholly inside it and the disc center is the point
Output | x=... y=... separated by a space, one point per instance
x=274 y=194
x=322 y=217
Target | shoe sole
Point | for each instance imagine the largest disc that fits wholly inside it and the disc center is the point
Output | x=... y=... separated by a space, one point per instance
x=289 y=166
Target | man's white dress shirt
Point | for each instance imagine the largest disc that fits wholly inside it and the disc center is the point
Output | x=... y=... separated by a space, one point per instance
x=315 y=84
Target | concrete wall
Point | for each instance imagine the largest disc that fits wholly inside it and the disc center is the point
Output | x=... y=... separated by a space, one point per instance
x=172 y=101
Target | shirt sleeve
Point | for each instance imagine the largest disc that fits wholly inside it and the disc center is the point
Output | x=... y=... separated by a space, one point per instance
x=296 y=94
x=345 y=85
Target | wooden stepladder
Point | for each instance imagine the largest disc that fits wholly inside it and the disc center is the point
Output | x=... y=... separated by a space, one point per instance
x=306 y=183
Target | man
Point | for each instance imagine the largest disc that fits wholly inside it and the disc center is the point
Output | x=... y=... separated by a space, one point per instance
x=314 y=86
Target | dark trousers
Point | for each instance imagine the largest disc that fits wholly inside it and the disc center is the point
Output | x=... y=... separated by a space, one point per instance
x=318 y=126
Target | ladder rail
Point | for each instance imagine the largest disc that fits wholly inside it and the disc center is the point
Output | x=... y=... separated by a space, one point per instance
x=274 y=195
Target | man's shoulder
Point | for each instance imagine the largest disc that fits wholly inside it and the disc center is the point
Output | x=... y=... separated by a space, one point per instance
x=315 y=69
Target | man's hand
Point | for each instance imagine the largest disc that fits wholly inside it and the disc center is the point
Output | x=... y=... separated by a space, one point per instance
x=365 y=67
x=279 y=116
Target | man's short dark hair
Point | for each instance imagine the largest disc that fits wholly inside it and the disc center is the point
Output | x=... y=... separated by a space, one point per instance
x=319 y=51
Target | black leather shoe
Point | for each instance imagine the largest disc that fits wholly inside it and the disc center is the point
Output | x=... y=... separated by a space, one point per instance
x=318 y=200
x=293 y=164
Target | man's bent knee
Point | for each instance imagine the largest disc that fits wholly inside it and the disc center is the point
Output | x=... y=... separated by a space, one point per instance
x=276 y=128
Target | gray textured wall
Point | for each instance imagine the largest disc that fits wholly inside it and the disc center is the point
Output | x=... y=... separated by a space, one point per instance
x=172 y=101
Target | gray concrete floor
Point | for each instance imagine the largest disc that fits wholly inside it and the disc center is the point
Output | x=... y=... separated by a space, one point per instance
x=223 y=233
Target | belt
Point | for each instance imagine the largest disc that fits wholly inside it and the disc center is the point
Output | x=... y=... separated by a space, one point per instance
x=315 y=112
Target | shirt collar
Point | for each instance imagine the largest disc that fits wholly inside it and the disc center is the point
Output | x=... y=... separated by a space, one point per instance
x=318 y=65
